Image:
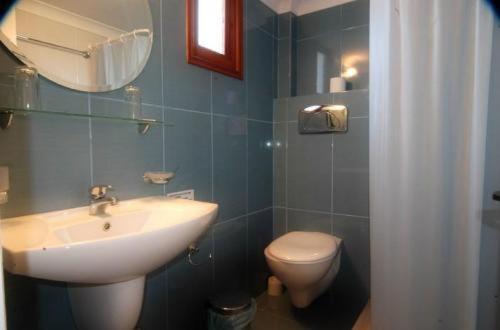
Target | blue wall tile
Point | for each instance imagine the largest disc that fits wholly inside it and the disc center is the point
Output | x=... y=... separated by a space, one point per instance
x=47 y=172
x=318 y=60
x=260 y=160
x=284 y=25
x=355 y=13
x=260 y=235
x=284 y=67
x=317 y=23
x=309 y=221
x=259 y=73
x=280 y=110
x=261 y=15
x=355 y=54
x=154 y=306
x=279 y=163
x=185 y=86
x=353 y=279
x=356 y=101
x=279 y=222
x=350 y=170
x=188 y=149
x=309 y=171
x=120 y=155
x=230 y=166
x=55 y=302
x=229 y=95
x=230 y=255
x=190 y=286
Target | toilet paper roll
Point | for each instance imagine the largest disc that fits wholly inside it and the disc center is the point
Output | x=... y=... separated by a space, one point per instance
x=274 y=286
x=337 y=84
x=4 y=178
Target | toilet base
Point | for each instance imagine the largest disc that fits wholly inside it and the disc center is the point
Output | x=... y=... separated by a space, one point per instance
x=115 y=306
x=303 y=297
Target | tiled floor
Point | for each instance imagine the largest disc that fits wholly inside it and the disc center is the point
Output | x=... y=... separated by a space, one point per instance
x=277 y=313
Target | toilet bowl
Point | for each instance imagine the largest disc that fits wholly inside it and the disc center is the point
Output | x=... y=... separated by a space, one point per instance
x=306 y=263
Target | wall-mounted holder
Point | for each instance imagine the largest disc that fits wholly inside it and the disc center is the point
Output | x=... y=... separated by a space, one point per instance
x=143 y=124
x=193 y=250
x=496 y=196
x=143 y=128
x=4 y=184
x=317 y=119
x=158 y=177
x=6 y=119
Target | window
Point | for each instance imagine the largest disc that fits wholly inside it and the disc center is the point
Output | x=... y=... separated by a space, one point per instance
x=215 y=35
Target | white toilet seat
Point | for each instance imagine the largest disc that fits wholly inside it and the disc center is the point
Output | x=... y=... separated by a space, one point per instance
x=303 y=247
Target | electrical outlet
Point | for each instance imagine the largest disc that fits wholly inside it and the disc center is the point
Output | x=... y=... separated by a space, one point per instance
x=185 y=194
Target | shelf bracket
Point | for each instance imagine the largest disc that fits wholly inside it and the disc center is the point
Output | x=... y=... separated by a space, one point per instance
x=6 y=119
x=143 y=128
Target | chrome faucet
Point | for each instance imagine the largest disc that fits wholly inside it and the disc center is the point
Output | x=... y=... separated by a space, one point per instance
x=99 y=200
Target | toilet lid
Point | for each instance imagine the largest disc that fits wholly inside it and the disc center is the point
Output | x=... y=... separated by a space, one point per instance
x=304 y=246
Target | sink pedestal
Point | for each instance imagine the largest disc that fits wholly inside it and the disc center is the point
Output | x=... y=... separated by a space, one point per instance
x=115 y=306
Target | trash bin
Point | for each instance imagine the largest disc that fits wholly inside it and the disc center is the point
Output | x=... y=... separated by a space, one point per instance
x=231 y=311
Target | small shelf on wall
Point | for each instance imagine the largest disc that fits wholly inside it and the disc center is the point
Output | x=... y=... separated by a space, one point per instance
x=7 y=115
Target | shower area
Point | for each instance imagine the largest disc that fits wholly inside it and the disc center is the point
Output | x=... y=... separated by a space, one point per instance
x=321 y=181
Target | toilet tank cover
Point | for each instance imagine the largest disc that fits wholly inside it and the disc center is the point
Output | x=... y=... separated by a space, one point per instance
x=302 y=246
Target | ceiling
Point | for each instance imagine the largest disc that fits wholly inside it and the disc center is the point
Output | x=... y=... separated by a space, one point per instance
x=301 y=7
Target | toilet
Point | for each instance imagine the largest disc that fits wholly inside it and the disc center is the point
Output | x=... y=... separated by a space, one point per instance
x=305 y=262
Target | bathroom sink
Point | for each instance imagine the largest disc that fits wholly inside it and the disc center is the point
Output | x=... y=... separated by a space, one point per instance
x=132 y=239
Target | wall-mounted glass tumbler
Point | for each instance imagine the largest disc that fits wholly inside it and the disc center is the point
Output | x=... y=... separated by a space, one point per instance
x=26 y=88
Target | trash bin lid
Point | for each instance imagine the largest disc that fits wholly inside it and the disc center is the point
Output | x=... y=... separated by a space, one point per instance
x=230 y=303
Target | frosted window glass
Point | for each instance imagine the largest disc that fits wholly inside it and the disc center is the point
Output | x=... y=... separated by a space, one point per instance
x=211 y=24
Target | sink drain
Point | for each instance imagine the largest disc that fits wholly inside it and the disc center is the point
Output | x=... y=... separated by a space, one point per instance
x=106 y=226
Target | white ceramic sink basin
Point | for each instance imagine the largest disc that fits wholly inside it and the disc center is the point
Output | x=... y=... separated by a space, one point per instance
x=137 y=237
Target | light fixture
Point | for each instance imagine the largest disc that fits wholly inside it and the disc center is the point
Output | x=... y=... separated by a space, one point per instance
x=350 y=72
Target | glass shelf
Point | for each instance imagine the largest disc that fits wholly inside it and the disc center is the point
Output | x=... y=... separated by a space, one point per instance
x=6 y=111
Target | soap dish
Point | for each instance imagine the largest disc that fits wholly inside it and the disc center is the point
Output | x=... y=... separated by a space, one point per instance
x=158 y=177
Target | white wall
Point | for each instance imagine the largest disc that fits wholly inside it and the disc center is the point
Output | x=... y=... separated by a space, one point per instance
x=489 y=278
x=301 y=7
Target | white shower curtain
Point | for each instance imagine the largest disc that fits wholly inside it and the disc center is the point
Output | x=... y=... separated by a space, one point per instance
x=429 y=68
x=114 y=61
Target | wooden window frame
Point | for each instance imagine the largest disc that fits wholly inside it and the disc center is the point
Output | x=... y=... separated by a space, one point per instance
x=231 y=62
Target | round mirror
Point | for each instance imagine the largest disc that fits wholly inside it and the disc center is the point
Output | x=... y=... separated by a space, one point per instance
x=91 y=45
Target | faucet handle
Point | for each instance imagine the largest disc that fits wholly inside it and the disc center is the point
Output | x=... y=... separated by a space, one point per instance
x=99 y=191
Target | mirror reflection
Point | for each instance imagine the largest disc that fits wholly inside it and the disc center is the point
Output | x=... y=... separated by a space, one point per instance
x=91 y=45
